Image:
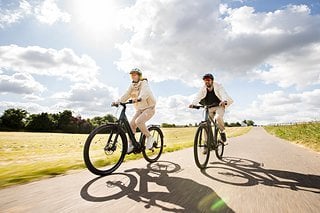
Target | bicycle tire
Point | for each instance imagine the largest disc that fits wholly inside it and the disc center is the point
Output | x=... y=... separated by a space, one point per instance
x=148 y=155
x=198 y=145
x=219 y=146
x=104 y=130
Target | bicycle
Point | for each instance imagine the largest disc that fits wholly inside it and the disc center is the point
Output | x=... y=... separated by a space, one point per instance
x=207 y=139
x=106 y=146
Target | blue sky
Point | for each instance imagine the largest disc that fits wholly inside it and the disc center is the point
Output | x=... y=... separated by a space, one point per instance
x=57 y=55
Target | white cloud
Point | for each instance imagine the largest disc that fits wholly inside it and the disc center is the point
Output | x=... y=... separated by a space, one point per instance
x=48 y=62
x=32 y=97
x=29 y=106
x=275 y=107
x=87 y=96
x=300 y=67
x=174 y=109
x=280 y=107
x=20 y=83
x=8 y=17
x=46 y=11
x=88 y=99
x=184 y=39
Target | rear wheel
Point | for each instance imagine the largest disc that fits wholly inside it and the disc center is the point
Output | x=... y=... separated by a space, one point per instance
x=219 y=149
x=105 y=149
x=154 y=154
x=200 y=148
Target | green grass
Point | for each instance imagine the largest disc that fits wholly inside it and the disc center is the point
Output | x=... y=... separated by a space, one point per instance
x=307 y=134
x=26 y=157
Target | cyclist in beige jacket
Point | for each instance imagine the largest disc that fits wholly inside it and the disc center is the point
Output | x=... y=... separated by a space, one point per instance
x=213 y=93
x=144 y=102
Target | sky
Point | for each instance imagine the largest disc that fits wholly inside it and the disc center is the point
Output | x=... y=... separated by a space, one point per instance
x=76 y=55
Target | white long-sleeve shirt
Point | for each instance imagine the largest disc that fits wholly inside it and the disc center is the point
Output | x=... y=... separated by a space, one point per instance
x=218 y=90
x=140 y=90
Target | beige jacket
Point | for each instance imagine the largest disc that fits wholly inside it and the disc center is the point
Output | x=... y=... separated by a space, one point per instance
x=218 y=90
x=140 y=90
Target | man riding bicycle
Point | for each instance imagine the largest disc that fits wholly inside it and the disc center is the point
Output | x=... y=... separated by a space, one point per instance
x=145 y=109
x=213 y=93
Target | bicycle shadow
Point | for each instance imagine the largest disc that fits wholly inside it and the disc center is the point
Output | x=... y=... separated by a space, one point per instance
x=245 y=172
x=180 y=194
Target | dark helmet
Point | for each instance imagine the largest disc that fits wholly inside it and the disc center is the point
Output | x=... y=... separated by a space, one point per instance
x=208 y=75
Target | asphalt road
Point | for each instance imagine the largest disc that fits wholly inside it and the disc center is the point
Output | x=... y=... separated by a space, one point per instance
x=259 y=173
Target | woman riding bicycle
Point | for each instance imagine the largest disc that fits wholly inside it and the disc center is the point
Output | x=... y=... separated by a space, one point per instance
x=140 y=94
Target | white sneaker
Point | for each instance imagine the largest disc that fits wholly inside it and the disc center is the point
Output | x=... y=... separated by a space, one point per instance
x=130 y=148
x=150 y=141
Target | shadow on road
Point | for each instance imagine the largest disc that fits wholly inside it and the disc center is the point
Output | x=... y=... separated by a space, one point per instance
x=244 y=172
x=173 y=194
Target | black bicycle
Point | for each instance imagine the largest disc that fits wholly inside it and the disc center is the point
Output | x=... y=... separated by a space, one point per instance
x=106 y=146
x=207 y=138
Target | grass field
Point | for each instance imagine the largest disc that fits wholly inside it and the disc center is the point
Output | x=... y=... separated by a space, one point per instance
x=307 y=134
x=25 y=157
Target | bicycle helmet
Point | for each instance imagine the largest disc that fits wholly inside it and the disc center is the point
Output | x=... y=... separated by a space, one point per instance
x=208 y=75
x=136 y=70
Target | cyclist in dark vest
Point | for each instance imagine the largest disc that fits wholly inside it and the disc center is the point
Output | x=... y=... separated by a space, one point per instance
x=213 y=93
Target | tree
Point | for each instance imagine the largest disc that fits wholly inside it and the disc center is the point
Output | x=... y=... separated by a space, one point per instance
x=166 y=125
x=65 y=122
x=84 y=126
x=98 y=121
x=13 y=119
x=40 y=122
x=250 y=123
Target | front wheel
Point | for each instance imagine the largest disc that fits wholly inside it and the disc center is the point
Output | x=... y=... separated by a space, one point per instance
x=200 y=148
x=105 y=149
x=154 y=154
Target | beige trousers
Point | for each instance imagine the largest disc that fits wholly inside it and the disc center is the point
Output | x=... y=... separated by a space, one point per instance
x=140 y=118
x=219 y=113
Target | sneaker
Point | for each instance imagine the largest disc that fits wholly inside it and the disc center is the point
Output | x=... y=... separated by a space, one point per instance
x=150 y=141
x=130 y=148
x=224 y=138
x=205 y=150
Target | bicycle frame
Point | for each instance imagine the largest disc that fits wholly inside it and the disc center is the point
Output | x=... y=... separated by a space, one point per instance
x=123 y=121
x=208 y=120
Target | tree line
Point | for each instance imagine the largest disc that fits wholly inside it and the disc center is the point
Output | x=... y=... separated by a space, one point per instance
x=20 y=120
x=235 y=124
x=64 y=122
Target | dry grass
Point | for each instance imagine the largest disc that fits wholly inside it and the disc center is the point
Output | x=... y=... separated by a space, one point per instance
x=31 y=156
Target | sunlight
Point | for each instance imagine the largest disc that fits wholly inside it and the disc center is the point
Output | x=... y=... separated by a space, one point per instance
x=96 y=17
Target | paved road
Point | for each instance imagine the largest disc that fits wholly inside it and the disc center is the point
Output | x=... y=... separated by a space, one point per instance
x=260 y=173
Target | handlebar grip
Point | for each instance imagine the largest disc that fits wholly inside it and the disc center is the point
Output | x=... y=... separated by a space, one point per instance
x=114 y=105
x=195 y=107
x=131 y=101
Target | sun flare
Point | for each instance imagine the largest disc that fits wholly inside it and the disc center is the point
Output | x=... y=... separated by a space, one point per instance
x=96 y=16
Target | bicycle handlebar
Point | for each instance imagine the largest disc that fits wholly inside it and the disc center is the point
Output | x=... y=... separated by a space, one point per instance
x=206 y=106
x=125 y=103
